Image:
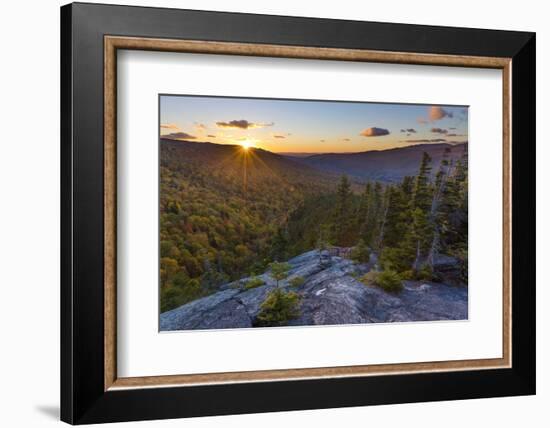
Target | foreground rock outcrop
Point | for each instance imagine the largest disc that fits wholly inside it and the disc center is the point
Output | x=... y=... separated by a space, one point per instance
x=331 y=294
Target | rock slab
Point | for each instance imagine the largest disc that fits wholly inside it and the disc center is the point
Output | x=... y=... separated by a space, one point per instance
x=330 y=295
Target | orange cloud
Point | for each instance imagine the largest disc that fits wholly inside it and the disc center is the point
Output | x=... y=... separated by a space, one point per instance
x=169 y=126
x=374 y=132
x=438 y=113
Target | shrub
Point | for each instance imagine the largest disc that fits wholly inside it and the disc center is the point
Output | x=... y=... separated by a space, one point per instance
x=278 y=308
x=408 y=274
x=297 y=281
x=395 y=259
x=424 y=274
x=253 y=283
x=369 y=278
x=389 y=281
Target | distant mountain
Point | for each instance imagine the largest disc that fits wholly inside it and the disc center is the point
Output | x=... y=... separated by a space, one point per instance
x=383 y=165
x=228 y=161
x=297 y=154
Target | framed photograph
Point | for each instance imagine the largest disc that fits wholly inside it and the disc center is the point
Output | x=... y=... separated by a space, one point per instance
x=266 y=213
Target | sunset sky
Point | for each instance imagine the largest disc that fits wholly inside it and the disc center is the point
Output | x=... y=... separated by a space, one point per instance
x=309 y=126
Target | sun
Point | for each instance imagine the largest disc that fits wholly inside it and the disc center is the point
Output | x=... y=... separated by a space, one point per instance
x=246 y=144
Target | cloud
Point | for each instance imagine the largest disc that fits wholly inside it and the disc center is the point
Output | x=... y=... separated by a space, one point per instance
x=278 y=136
x=456 y=135
x=422 y=120
x=425 y=140
x=242 y=124
x=439 y=131
x=409 y=131
x=200 y=125
x=322 y=141
x=169 y=126
x=346 y=139
x=374 y=132
x=438 y=113
x=179 y=136
x=211 y=136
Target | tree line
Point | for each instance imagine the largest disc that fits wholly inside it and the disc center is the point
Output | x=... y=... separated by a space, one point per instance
x=409 y=225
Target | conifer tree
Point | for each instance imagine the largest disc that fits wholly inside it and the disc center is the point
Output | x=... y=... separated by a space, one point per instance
x=383 y=217
x=396 y=218
x=363 y=211
x=421 y=192
x=407 y=186
x=343 y=212
x=441 y=180
x=419 y=235
x=371 y=225
x=452 y=217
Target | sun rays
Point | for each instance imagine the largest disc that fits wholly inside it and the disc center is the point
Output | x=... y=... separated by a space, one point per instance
x=247 y=143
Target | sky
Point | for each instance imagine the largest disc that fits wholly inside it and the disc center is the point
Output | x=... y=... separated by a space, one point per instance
x=297 y=126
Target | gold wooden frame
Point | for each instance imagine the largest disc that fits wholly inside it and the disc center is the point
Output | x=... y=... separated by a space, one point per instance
x=113 y=43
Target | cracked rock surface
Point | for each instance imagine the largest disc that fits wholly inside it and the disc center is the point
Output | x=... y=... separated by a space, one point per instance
x=330 y=295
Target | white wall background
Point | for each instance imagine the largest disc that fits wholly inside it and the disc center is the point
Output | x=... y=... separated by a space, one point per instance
x=29 y=214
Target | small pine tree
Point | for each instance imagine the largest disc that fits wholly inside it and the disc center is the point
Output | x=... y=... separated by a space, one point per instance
x=278 y=308
x=279 y=271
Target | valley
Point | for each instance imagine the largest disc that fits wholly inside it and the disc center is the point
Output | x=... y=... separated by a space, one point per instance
x=230 y=215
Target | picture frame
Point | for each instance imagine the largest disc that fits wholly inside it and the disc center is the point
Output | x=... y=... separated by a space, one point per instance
x=91 y=390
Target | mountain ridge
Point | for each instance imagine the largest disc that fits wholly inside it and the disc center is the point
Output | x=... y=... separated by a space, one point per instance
x=387 y=165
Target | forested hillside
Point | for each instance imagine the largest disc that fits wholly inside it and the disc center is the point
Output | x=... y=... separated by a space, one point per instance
x=226 y=213
x=222 y=210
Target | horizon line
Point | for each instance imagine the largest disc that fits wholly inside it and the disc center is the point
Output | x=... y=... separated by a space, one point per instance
x=449 y=143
